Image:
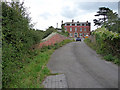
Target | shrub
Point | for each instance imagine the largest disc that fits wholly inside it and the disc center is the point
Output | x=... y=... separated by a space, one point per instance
x=109 y=57
x=117 y=61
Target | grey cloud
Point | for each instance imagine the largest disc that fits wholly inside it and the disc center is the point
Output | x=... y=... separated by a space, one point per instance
x=45 y=15
x=86 y=7
x=94 y=6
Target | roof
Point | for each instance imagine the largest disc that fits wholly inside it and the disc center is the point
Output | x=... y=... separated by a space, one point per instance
x=75 y=22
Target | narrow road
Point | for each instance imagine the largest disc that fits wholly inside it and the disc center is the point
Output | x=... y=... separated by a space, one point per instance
x=83 y=68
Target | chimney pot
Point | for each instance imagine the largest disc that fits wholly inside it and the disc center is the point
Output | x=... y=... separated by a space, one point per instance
x=72 y=20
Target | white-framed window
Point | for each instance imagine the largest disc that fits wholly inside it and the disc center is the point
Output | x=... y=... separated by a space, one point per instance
x=84 y=34
x=70 y=29
x=75 y=35
x=80 y=34
x=76 y=29
x=71 y=35
x=65 y=29
x=80 y=29
x=84 y=29
x=75 y=24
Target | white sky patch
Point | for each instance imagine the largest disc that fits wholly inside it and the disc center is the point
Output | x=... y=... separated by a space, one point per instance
x=47 y=13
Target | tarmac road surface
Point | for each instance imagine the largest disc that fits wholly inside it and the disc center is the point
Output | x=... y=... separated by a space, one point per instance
x=82 y=67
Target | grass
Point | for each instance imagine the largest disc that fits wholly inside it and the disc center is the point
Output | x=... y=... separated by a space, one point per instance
x=33 y=74
x=107 y=57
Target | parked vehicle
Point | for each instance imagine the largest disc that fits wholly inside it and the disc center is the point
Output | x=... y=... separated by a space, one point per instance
x=78 y=39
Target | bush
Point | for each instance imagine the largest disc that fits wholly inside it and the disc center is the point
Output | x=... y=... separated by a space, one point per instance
x=17 y=38
x=117 y=61
x=109 y=57
x=107 y=43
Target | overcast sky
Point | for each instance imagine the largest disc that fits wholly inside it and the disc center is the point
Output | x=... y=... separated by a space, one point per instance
x=45 y=13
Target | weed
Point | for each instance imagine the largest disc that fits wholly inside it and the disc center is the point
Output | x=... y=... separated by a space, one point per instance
x=109 y=57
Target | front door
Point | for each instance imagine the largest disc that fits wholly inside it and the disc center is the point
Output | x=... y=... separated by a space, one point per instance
x=75 y=34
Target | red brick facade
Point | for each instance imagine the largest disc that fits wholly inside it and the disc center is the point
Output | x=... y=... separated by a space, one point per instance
x=77 y=29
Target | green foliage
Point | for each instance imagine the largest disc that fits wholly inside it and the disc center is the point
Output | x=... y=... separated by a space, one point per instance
x=33 y=73
x=103 y=11
x=63 y=29
x=17 y=38
x=49 y=31
x=117 y=61
x=107 y=43
x=18 y=61
x=111 y=21
x=87 y=40
x=109 y=57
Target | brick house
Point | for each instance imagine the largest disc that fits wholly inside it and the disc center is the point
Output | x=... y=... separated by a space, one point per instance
x=77 y=29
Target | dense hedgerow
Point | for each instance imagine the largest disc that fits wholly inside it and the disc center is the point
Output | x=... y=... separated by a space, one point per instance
x=107 y=43
x=17 y=38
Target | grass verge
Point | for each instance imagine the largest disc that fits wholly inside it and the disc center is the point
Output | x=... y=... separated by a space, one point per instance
x=107 y=57
x=32 y=74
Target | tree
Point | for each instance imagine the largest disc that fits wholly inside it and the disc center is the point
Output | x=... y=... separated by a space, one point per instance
x=17 y=39
x=112 y=22
x=110 y=19
x=102 y=12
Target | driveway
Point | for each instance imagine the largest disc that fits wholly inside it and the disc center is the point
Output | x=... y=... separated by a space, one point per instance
x=83 y=68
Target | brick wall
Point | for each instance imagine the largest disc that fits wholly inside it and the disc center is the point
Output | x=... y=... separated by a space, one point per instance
x=51 y=41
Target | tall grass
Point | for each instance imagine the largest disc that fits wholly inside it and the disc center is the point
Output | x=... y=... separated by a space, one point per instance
x=33 y=73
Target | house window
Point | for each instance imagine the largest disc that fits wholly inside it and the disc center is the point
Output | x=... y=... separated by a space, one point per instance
x=75 y=24
x=80 y=29
x=84 y=29
x=75 y=29
x=70 y=29
x=80 y=34
x=75 y=34
x=84 y=34
x=70 y=34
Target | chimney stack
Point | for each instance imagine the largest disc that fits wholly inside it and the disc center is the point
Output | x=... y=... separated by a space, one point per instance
x=72 y=20
x=62 y=22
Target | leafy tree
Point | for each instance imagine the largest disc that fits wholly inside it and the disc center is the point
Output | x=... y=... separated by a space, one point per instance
x=112 y=23
x=110 y=19
x=102 y=12
x=17 y=39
